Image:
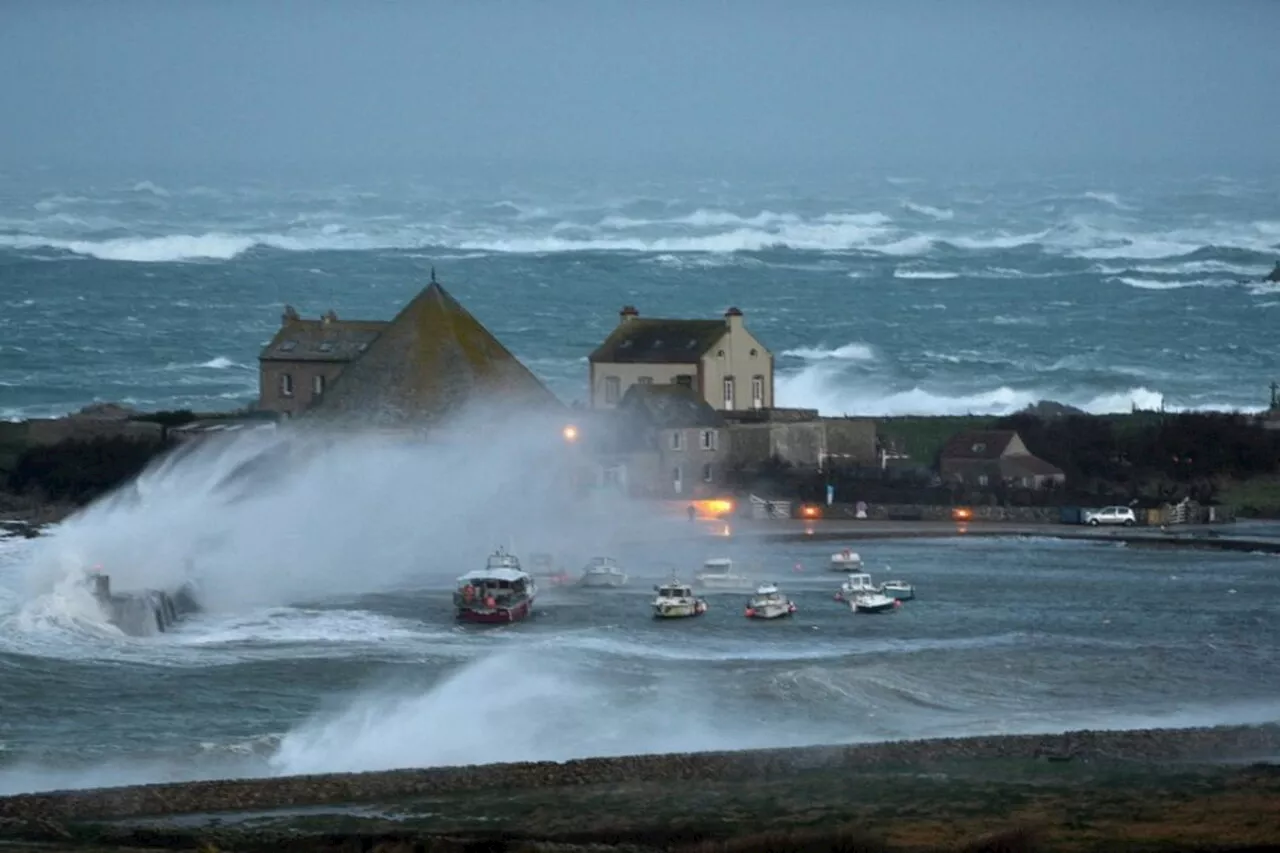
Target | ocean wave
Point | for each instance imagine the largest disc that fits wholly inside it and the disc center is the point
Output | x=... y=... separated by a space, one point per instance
x=928 y=275
x=1166 y=284
x=848 y=352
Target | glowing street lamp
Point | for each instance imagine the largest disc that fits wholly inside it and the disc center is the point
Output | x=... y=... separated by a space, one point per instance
x=570 y=433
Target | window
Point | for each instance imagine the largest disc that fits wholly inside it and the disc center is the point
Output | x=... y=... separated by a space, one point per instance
x=645 y=380
x=979 y=447
x=677 y=440
x=685 y=379
x=708 y=473
x=286 y=384
x=982 y=479
x=317 y=385
x=757 y=392
x=677 y=480
x=754 y=353
x=709 y=439
x=728 y=392
x=612 y=389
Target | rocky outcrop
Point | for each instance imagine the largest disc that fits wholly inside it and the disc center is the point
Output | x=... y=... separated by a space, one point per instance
x=148 y=611
x=1151 y=746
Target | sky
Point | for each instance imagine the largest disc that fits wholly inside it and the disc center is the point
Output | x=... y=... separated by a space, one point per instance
x=585 y=84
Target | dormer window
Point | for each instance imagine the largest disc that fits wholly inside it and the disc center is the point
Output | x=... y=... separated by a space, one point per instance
x=979 y=447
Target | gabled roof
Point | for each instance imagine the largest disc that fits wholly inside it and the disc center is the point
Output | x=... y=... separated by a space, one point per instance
x=655 y=341
x=326 y=339
x=1014 y=467
x=978 y=444
x=669 y=407
x=432 y=359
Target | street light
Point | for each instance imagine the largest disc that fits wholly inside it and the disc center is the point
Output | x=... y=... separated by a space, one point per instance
x=570 y=433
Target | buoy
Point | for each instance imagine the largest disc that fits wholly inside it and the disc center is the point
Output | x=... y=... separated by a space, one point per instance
x=750 y=612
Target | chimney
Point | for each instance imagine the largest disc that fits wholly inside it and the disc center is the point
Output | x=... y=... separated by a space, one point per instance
x=330 y=316
x=289 y=316
x=733 y=317
x=627 y=314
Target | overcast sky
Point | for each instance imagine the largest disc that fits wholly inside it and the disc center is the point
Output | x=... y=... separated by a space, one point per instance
x=894 y=84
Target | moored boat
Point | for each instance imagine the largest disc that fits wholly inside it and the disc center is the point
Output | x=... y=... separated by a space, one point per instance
x=603 y=572
x=873 y=602
x=858 y=583
x=901 y=590
x=501 y=592
x=675 y=600
x=845 y=561
x=717 y=573
x=769 y=603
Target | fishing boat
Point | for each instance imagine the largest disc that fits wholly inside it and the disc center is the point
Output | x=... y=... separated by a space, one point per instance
x=769 y=603
x=873 y=602
x=858 y=583
x=675 y=600
x=845 y=561
x=543 y=567
x=901 y=590
x=603 y=572
x=717 y=573
x=501 y=592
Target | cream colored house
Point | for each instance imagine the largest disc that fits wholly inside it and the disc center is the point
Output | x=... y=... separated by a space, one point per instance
x=719 y=359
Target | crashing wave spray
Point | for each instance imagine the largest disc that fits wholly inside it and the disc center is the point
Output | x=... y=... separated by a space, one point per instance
x=282 y=516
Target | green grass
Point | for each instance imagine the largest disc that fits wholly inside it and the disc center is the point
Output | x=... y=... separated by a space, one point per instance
x=923 y=437
x=1257 y=494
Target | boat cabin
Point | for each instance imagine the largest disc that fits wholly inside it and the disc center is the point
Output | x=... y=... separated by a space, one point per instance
x=500 y=559
x=602 y=564
x=717 y=566
x=499 y=584
x=674 y=590
x=859 y=582
x=767 y=589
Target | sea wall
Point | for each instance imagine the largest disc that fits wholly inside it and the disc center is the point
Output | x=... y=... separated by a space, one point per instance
x=1151 y=746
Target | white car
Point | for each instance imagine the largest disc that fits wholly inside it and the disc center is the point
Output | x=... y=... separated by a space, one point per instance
x=1111 y=515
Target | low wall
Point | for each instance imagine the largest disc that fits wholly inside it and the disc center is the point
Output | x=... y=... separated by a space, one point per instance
x=918 y=512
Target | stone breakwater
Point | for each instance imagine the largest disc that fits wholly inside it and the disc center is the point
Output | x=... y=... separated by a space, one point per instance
x=1149 y=746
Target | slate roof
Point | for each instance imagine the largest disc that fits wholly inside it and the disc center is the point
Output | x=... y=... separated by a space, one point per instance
x=979 y=444
x=656 y=341
x=1014 y=467
x=433 y=358
x=669 y=407
x=328 y=339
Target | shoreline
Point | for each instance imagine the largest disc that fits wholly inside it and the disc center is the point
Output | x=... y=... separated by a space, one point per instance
x=1150 y=748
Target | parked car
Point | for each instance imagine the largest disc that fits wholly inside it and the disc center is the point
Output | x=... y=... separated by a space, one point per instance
x=1110 y=515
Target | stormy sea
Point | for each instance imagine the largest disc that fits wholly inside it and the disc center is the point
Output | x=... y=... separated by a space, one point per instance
x=884 y=294
x=328 y=642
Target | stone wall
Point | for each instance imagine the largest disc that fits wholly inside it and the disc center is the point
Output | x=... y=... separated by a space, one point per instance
x=46 y=432
x=851 y=441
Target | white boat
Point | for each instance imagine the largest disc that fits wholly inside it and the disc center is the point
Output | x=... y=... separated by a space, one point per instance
x=859 y=583
x=769 y=603
x=873 y=602
x=603 y=572
x=718 y=573
x=675 y=600
x=846 y=560
x=901 y=590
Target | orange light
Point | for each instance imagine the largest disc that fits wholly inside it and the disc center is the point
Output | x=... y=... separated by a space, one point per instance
x=810 y=511
x=570 y=433
x=961 y=514
x=714 y=507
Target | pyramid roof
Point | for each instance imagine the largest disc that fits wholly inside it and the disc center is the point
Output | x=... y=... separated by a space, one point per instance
x=431 y=360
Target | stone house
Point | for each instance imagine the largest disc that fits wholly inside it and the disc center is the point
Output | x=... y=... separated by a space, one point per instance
x=990 y=457
x=662 y=441
x=720 y=360
x=432 y=359
x=801 y=438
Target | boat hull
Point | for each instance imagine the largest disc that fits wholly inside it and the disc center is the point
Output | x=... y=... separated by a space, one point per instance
x=771 y=611
x=590 y=582
x=900 y=594
x=678 y=611
x=497 y=615
x=875 y=607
